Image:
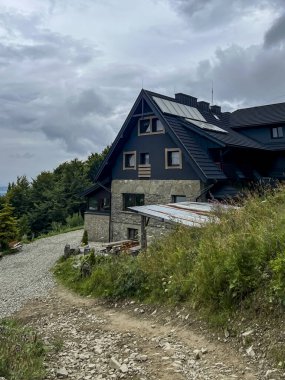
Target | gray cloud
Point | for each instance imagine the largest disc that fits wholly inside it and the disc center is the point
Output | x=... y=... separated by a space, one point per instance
x=43 y=87
x=276 y=34
x=20 y=156
x=62 y=96
x=211 y=14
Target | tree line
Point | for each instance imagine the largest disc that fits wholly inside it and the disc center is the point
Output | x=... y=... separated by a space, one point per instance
x=51 y=200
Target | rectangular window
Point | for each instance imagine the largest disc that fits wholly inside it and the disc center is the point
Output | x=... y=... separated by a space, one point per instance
x=144 y=159
x=93 y=204
x=133 y=234
x=100 y=205
x=173 y=158
x=157 y=126
x=145 y=126
x=129 y=160
x=277 y=132
x=130 y=200
x=106 y=204
x=178 y=198
x=150 y=125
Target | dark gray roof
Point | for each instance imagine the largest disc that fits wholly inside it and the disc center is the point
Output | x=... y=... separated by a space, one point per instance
x=231 y=138
x=200 y=156
x=186 y=133
x=261 y=115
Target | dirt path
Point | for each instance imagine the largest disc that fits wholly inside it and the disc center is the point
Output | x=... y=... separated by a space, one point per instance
x=96 y=341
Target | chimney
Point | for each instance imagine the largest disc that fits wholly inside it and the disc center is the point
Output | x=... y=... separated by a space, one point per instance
x=216 y=109
x=203 y=106
x=188 y=100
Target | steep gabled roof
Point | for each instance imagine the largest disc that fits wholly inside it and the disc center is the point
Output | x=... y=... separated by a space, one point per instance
x=261 y=115
x=182 y=129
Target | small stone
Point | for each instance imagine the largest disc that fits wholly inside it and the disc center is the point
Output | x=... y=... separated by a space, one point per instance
x=204 y=351
x=269 y=373
x=197 y=354
x=227 y=333
x=114 y=363
x=247 y=333
x=250 y=352
x=124 y=368
x=62 y=373
x=141 y=358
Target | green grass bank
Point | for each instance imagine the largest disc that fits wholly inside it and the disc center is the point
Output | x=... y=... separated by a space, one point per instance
x=238 y=262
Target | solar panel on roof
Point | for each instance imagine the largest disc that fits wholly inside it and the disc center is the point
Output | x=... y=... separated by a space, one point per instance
x=161 y=105
x=178 y=109
x=208 y=126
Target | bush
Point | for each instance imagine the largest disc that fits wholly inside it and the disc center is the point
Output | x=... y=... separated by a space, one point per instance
x=85 y=238
x=74 y=220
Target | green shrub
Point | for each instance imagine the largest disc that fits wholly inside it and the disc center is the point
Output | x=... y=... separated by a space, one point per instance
x=74 y=220
x=85 y=238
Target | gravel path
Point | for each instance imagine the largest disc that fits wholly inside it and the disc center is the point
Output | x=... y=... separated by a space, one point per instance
x=26 y=275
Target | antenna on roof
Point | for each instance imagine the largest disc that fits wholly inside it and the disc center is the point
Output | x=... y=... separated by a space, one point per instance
x=212 y=92
x=142 y=82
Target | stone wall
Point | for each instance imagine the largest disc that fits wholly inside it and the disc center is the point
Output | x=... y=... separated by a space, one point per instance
x=156 y=192
x=97 y=226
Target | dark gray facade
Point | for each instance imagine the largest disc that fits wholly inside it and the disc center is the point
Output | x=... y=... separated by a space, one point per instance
x=170 y=148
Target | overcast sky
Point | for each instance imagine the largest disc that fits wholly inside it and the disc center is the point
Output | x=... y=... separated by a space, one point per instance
x=71 y=69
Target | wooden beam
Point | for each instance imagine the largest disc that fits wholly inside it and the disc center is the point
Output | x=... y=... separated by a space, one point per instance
x=143 y=232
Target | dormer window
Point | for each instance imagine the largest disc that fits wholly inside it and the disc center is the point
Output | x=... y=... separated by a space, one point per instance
x=129 y=160
x=150 y=126
x=277 y=132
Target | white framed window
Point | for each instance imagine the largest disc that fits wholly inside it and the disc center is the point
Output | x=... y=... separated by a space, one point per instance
x=130 y=160
x=173 y=158
x=150 y=126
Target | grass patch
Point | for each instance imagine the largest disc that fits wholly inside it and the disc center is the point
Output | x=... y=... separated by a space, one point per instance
x=218 y=268
x=21 y=352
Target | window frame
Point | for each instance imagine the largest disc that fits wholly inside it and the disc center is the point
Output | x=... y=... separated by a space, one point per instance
x=171 y=150
x=151 y=118
x=277 y=132
x=103 y=204
x=125 y=154
x=174 y=198
x=136 y=203
x=133 y=231
x=141 y=155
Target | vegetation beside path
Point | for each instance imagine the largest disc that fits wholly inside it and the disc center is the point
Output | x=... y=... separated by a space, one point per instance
x=226 y=271
x=21 y=352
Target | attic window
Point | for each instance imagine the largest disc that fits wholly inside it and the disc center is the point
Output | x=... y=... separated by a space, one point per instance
x=277 y=132
x=150 y=125
x=129 y=160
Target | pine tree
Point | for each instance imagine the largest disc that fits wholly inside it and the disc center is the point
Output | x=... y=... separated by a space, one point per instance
x=8 y=226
